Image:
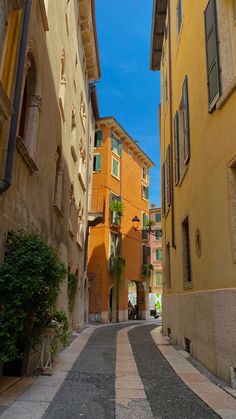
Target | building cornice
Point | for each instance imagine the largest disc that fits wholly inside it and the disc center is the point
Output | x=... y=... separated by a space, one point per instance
x=157 y=34
x=87 y=24
x=112 y=123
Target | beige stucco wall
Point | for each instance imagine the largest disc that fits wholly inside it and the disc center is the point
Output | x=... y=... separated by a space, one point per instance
x=208 y=319
x=28 y=202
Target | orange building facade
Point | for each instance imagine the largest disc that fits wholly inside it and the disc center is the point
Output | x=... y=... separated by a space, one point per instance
x=155 y=243
x=120 y=173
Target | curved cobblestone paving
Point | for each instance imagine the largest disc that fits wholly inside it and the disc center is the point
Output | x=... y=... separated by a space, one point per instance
x=168 y=396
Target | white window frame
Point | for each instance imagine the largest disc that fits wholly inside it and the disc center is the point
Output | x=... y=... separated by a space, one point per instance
x=118 y=161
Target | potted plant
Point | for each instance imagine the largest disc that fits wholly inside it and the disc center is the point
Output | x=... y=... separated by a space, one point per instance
x=117 y=209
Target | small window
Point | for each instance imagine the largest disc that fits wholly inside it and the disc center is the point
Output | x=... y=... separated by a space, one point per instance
x=97 y=163
x=158 y=279
x=186 y=252
x=158 y=254
x=145 y=192
x=98 y=139
x=144 y=173
x=158 y=234
x=234 y=10
x=179 y=16
x=115 y=169
x=158 y=217
x=116 y=145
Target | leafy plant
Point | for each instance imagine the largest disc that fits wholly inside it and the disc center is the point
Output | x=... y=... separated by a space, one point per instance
x=149 y=223
x=147 y=270
x=118 y=269
x=117 y=207
x=61 y=329
x=72 y=289
x=30 y=278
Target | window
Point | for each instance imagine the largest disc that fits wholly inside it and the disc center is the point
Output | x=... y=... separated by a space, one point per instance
x=181 y=135
x=168 y=178
x=115 y=249
x=116 y=145
x=234 y=10
x=115 y=167
x=166 y=91
x=115 y=217
x=145 y=192
x=159 y=279
x=146 y=255
x=158 y=254
x=144 y=173
x=167 y=266
x=179 y=16
x=158 y=217
x=30 y=108
x=163 y=189
x=98 y=139
x=158 y=234
x=58 y=185
x=97 y=163
x=72 y=213
x=144 y=225
x=212 y=53
x=186 y=253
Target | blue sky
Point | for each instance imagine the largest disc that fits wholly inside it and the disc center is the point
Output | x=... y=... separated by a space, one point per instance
x=128 y=90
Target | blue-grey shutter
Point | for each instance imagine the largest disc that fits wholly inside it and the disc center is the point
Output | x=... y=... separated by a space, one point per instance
x=212 y=54
x=185 y=107
x=98 y=162
x=176 y=136
x=98 y=138
x=119 y=147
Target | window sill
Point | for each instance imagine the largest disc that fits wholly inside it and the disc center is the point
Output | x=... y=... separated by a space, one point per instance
x=21 y=147
x=116 y=177
x=97 y=171
x=187 y=285
x=226 y=95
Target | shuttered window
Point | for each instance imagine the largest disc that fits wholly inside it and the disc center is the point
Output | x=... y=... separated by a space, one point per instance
x=186 y=252
x=98 y=139
x=168 y=177
x=115 y=170
x=116 y=145
x=163 y=187
x=97 y=163
x=185 y=109
x=176 y=135
x=212 y=54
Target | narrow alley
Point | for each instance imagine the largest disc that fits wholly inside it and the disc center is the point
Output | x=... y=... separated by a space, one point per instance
x=123 y=371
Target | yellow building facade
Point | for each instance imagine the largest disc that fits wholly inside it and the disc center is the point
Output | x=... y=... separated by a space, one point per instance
x=10 y=31
x=194 y=47
x=120 y=173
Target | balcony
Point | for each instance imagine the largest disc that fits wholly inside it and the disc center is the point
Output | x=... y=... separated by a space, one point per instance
x=96 y=209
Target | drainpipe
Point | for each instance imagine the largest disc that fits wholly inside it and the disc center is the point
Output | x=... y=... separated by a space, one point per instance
x=171 y=132
x=6 y=182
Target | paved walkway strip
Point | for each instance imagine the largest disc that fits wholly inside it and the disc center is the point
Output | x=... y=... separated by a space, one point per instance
x=131 y=400
x=221 y=402
x=168 y=396
x=30 y=397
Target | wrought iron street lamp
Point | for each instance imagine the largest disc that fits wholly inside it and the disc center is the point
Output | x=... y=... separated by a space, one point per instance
x=148 y=229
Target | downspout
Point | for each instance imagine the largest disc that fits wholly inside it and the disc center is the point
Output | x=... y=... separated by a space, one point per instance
x=171 y=132
x=6 y=182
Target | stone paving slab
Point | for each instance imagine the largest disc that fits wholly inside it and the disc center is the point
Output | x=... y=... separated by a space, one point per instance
x=221 y=402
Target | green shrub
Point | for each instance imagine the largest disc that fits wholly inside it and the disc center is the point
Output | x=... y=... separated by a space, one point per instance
x=30 y=278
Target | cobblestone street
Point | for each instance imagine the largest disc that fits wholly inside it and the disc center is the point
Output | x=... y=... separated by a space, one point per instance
x=123 y=371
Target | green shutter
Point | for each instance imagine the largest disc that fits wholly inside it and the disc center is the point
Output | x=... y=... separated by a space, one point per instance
x=176 y=137
x=119 y=147
x=98 y=142
x=98 y=162
x=185 y=108
x=115 y=167
x=212 y=54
